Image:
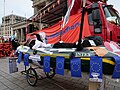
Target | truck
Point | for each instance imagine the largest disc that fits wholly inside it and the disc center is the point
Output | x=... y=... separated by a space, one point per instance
x=103 y=21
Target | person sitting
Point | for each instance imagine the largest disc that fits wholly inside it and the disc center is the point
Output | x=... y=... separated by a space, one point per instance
x=22 y=48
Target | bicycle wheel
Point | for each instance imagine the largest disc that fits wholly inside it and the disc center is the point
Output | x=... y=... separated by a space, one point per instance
x=31 y=76
x=51 y=74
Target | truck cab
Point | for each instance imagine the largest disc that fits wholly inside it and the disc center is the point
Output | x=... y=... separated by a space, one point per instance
x=104 y=21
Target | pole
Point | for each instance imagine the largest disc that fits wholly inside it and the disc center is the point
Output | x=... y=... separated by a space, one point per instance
x=79 y=46
x=40 y=20
x=4 y=19
x=11 y=34
x=26 y=29
x=61 y=30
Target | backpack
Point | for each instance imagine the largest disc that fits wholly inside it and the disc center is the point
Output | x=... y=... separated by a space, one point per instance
x=92 y=41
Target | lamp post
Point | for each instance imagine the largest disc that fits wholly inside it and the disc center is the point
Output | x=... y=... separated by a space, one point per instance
x=4 y=19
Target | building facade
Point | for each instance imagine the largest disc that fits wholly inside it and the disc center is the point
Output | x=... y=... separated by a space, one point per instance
x=39 y=4
x=7 y=23
x=48 y=12
x=21 y=28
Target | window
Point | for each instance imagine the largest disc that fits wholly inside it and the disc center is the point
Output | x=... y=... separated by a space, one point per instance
x=111 y=15
x=90 y=20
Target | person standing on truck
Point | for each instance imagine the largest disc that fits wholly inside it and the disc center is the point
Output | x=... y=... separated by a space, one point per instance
x=14 y=43
x=40 y=41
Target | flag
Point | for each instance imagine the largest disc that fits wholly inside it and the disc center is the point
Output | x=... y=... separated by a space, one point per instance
x=70 y=33
x=26 y=27
x=26 y=59
x=75 y=65
x=52 y=33
x=96 y=68
x=116 y=72
x=73 y=8
x=46 y=64
x=76 y=7
x=19 y=57
x=65 y=21
x=59 y=65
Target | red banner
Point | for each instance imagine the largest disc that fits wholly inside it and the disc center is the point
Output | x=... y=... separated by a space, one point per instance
x=72 y=29
x=70 y=33
x=51 y=31
x=77 y=5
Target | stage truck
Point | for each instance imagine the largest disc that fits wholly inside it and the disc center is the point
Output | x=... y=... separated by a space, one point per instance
x=101 y=20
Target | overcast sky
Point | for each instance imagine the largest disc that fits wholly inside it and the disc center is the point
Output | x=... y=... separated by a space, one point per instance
x=116 y=4
x=24 y=7
x=18 y=7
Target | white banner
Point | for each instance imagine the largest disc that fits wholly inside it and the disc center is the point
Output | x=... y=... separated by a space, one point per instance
x=68 y=13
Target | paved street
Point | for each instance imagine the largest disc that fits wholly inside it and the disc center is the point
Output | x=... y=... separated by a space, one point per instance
x=17 y=81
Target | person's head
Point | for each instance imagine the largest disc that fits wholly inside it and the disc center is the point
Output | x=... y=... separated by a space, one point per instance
x=21 y=43
x=42 y=35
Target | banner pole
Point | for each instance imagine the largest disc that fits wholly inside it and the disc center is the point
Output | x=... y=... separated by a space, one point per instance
x=79 y=46
x=61 y=30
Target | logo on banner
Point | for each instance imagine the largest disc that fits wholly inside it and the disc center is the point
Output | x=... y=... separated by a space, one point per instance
x=46 y=64
x=59 y=65
x=96 y=67
x=75 y=65
x=65 y=30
